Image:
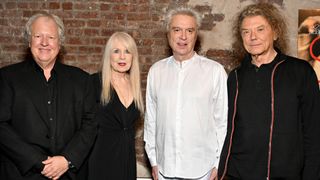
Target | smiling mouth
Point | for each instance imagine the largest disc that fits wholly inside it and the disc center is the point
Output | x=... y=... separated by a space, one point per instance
x=46 y=50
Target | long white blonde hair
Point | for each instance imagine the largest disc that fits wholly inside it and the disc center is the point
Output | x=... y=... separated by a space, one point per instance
x=134 y=72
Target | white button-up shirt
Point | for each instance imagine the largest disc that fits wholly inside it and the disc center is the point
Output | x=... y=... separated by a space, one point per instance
x=186 y=116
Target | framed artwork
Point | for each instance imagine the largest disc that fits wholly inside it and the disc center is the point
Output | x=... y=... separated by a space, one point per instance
x=309 y=38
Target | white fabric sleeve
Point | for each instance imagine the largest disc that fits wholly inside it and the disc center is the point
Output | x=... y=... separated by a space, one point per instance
x=221 y=109
x=150 y=121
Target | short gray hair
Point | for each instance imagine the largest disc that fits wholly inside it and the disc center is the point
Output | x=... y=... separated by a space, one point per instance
x=56 y=19
x=182 y=11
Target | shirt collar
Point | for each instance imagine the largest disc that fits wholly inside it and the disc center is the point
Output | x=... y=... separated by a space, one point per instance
x=248 y=59
x=184 y=63
x=39 y=69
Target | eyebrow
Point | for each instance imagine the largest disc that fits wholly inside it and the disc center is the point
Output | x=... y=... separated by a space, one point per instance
x=173 y=27
x=260 y=26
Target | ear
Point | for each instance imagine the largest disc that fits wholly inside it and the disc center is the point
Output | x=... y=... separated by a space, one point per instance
x=275 y=36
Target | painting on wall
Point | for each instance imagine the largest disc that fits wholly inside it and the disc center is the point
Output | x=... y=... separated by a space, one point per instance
x=309 y=38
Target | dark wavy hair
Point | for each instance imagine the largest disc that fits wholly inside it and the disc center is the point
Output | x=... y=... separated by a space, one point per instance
x=274 y=18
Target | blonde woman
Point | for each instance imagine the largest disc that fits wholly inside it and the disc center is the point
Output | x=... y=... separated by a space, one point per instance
x=121 y=105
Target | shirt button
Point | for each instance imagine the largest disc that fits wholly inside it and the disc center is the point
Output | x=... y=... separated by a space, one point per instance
x=49 y=102
x=50 y=119
x=49 y=137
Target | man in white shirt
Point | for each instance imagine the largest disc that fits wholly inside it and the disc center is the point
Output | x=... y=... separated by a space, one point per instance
x=186 y=101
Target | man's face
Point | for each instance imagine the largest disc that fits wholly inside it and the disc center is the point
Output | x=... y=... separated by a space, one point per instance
x=182 y=36
x=257 y=35
x=44 y=42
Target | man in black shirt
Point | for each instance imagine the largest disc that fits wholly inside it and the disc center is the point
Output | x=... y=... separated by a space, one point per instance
x=47 y=110
x=274 y=102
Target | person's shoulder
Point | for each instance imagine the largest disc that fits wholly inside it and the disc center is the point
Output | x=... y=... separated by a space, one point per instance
x=160 y=63
x=297 y=66
x=210 y=62
x=14 y=68
x=96 y=77
x=292 y=60
x=72 y=69
x=296 y=62
x=15 y=65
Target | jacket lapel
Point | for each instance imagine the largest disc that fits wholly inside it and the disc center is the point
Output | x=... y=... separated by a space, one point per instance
x=28 y=78
x=64 y=96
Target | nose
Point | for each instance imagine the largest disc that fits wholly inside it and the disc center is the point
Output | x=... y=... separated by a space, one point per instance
x=183 y=35
x=122 y=55
x=44 y=41
x=253 y=35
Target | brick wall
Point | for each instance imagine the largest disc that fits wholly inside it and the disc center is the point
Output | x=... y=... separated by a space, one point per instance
x=90 y=23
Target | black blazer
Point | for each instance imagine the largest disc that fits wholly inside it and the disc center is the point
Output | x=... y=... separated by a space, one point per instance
x=24 y=130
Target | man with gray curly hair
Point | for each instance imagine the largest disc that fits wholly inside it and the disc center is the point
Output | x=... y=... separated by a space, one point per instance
x=47 y=109
x=186 y=106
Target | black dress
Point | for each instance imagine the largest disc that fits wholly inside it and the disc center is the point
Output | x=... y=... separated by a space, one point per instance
x=113 y=155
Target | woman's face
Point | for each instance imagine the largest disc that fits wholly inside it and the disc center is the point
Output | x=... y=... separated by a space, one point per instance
x=257 y=35
x=121 y=58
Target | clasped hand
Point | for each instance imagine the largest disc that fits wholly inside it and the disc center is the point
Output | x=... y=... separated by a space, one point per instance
x=54 y=167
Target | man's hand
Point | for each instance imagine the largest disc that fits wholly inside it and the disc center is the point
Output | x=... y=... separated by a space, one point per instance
x=55 y=167
x=155 y=172
x=214 y=174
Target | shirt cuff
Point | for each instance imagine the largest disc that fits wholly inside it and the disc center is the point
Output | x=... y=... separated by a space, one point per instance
x=153 y=161
x=216 y=164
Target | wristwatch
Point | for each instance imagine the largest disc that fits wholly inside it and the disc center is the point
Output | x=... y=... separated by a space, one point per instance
x=70 y=165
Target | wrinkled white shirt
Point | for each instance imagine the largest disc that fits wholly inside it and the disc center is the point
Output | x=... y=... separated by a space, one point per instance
x=186 y=116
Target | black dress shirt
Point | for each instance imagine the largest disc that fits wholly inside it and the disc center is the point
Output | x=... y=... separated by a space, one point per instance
x=250 y=144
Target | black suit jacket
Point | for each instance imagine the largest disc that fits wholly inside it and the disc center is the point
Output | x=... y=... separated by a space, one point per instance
x=24 y=128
